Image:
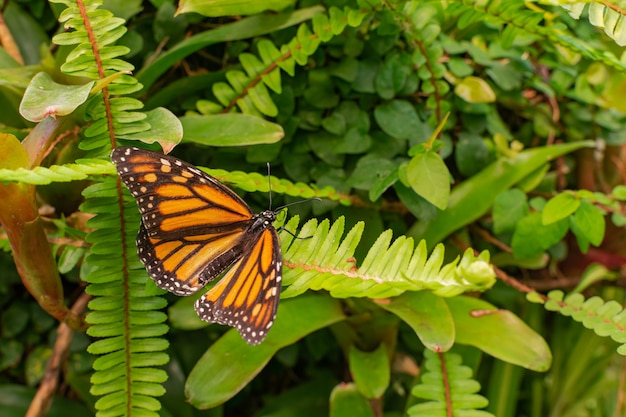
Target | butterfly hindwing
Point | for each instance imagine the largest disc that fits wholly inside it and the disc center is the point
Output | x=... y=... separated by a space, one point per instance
x=182 y=266
x=247 y=296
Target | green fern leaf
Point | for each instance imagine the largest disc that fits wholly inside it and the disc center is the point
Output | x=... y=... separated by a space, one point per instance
x=606 y=319
x=320 y=259
x=448 y=388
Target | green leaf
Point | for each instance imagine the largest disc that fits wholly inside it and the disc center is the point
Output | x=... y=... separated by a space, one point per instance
x=472 y=199
x=370 y=370
x=382 y=183
x=499 y=333
x=36 y=364
x=345 y=400
x=370 y=169
x=532 y=237
x=399 y=119
x=211 y=383
x=391 y=77
x=559 y=208
x=320 y=92
x=11 y=352
x=335 y=123
x=215 y=8
x=471 y=154
x=165 y=129
x=12 y=153
x=230 y=129
x=619 y=192
x=14 y=320
x=44 y=98
x=509 y=208
x=427 y=314
x=475 y=90
x=590 y=222
x=428 y=175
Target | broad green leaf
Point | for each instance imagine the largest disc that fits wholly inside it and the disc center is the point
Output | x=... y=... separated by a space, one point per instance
x=370 y=169
x=345 y=400
x=215 y=8
x=559 y=208
x=471 y=154
x=499 y=333
x=509 y=208
x=399 y=119
x=428 y=175
x=370 y=370
x=427 y=314
x=472 y=199
x=335 y=123
x=230 y=129
x=165 y=129
x=28 y=33
x=12 y=153
x=391 y=77
x=532 y=237
x=210 y=383
x=590 y=221
x=475 y=90
x=44 y=98
x=382 y=183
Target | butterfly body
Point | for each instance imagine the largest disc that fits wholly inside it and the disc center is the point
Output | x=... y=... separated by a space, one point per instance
x=193 y=228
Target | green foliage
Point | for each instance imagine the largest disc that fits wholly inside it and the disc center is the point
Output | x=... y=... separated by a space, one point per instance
x=448 y=388
x=493 y=124
x=605 y=318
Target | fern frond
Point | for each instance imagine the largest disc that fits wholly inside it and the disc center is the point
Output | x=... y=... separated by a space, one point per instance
x=124 y=314
x=249 y=90
x=57 y=173
x=448 y=387
x=602 y=16
x=516 y=18
x=252 y=182
x=321 y=259
x=94 y=32
x=606 y=319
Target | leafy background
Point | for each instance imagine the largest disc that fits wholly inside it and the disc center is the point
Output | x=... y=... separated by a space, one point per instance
x=450 y=143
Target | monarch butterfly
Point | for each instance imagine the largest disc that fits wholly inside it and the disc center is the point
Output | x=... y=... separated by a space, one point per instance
x=192 y=229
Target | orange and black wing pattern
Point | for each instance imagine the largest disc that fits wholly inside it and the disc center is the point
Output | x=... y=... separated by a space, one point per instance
x=192 y=229
x=247 y=296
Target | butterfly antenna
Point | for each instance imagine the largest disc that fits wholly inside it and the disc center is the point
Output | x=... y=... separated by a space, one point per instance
x=269 y=183
x=298 y=202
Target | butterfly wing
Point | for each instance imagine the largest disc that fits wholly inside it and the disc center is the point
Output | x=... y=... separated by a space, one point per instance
x=247 y=296
x=193 y=227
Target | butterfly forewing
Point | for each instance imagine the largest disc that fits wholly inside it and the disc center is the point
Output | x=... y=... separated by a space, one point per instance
x=175 y=198
x=193 y=228
x=247 y=296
